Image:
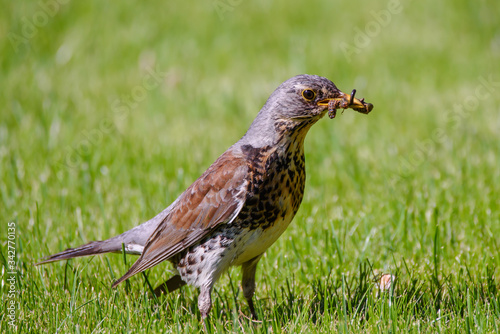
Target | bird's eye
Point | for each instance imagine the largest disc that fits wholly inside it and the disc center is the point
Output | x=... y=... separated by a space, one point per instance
x=308 y=94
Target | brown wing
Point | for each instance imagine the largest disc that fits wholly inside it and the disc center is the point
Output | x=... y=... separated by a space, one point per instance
x=215 y=198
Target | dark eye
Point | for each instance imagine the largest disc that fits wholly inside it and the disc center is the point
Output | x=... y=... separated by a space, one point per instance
x=308 y=94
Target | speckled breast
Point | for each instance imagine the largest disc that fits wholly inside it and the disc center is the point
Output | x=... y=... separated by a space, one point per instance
x=276 y=190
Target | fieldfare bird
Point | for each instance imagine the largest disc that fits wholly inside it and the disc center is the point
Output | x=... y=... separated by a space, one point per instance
x=241 y=204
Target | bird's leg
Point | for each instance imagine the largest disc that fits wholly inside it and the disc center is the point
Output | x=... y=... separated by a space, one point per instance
x=248 y=282
x=173 y=283
x=205 y=303
x=205 y=300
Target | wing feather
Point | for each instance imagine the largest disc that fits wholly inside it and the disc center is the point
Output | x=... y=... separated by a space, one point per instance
x=213 y=199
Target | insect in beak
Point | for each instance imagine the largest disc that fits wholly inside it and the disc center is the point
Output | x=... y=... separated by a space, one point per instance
x=344 y=102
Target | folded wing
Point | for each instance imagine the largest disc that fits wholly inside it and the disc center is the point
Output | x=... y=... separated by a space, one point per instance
x=213 y=199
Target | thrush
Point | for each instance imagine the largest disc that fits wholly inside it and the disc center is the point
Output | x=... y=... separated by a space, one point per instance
x=241 y=204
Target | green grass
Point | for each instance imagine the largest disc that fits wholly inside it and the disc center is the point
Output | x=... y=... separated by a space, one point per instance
x=413 y=189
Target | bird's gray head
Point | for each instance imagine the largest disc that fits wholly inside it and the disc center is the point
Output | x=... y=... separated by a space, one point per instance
x=295 y=105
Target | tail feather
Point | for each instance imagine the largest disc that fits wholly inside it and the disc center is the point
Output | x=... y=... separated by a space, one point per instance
x=134 y=241
x=113 y=245
x=92 y=248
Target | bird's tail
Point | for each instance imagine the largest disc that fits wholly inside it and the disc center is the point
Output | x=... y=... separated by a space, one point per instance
x=134 y=241
x=92 y=248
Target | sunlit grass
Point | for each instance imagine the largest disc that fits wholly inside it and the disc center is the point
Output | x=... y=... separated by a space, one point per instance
x=91 y=144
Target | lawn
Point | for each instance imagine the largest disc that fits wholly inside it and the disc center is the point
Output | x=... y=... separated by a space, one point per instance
x=110 y=110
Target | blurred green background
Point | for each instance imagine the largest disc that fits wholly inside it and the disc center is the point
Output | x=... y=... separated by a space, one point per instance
x=110 y=110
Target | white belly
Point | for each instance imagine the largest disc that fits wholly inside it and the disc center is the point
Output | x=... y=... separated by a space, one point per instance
x=255 y=242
